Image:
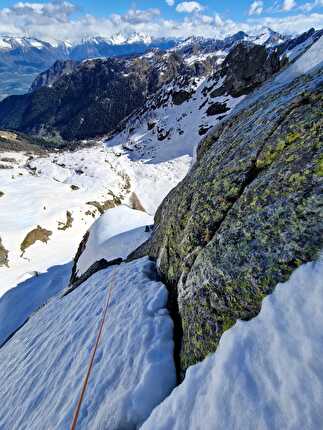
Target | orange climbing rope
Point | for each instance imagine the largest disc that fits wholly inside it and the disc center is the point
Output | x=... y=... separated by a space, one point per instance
x=95 y=347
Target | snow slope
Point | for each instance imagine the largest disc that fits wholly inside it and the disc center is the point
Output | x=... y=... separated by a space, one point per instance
x=308 y=61
x=39 y=191
x=17 y=304
x=164 y=130
x=43 y=365
x=114 y=235
x=266 y=373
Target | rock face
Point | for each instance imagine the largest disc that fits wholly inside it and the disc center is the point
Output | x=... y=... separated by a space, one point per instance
x=247 y=66
x=247 y=214
x=50 y=76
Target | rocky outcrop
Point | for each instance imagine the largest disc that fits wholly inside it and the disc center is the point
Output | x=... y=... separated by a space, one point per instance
x=94 y=268
x=135 y=202
x=247 y=214
x=51 y=75
x=102 y=206
x=75 y=279
x=4 y=261
x=67 y=224
x=247 y=66
x=37 y=234
x=216 y=109
x=78 y=254
x=179 y=97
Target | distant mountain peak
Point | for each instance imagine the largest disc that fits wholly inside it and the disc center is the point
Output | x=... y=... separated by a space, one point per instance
x=119 y=39
x=8 y=42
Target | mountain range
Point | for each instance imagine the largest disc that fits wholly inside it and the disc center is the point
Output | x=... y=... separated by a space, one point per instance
x=113 y=87
x=23 y=58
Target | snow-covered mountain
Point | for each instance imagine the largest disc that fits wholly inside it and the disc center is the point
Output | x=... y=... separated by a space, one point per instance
x=120 y=39
x=8 y=43
x=23 y=58
x=242 y=147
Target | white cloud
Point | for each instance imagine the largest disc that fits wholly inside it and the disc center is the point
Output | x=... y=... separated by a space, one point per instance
x=256 y=7
x=170 y=2
x=307 y=7
x=189 y=7
x=288 y=5
x=298 y=24
x=137 y=16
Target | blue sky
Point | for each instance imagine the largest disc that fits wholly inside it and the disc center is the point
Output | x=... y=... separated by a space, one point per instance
x=72 y=20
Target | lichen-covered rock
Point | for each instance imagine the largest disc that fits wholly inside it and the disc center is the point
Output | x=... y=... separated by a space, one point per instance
x=4 y=261
x=37 y=234
x=67 y=224
x=247 y=214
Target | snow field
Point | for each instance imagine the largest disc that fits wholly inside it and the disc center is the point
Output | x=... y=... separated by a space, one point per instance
x=43 y=366
x=43 y=196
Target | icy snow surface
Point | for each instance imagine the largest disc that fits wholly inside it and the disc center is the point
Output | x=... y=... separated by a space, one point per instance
x=267 y=374
x=115 y=234
x=43 y=365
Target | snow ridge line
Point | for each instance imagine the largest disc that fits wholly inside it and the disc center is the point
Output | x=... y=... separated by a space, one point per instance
x=93 y=354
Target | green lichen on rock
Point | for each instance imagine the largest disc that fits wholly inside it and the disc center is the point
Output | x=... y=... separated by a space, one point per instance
x=136 y=203
x=67 y=224
x=319 y=167
x=102 y=206
x=37 y=234
x=247 y=214
x=4 y=261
